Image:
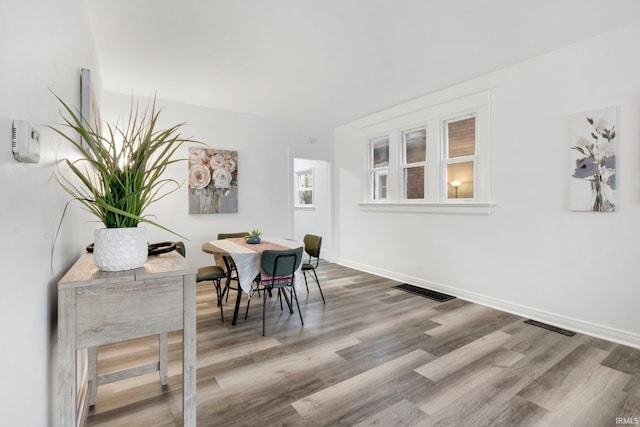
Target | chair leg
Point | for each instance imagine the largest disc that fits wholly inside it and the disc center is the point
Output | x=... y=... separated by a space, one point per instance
x=225 y=289
x=250 y=296
x=221 y=308
x=227 y=284
x=280 y=298
x=256 y=288
x=264 y=315
x=304 y=273
x=318 y=282
x=295 y=295
x=228 y=288
x=219 y=291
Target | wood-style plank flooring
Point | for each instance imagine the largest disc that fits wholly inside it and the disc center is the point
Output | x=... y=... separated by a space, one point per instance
x=374 y=355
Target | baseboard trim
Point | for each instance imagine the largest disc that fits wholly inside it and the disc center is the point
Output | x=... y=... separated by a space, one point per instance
x=581 y=326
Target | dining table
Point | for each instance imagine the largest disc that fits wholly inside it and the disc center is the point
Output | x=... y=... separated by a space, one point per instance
x=246 y=257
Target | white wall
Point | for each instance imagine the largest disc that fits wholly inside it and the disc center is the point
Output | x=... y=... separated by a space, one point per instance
x=264 y=147
x=531 y=255
x=43 y=45
x=314 y=220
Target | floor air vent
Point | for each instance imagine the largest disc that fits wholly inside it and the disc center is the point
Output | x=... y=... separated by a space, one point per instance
x=550 y=327
x=427 y=293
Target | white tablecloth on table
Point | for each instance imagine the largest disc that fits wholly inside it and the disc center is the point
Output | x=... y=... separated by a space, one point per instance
x=247 y=261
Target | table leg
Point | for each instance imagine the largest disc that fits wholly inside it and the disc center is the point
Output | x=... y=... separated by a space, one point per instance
x=237 y=308
x=189 y=352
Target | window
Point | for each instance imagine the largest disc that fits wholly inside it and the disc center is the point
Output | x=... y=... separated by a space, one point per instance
x=379 y=166
x=460 y=158
x=430 y=156
x=414 y=150
x=304 y=190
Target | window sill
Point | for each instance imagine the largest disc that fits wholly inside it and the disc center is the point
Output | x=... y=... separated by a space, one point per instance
x=455 y=208
x=305 y=208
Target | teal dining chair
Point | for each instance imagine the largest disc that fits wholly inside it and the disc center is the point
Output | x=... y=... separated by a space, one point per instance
x=278 y=272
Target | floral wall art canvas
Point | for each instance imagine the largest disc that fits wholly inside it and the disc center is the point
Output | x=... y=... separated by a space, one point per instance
x=213 y=181
x=593 y=160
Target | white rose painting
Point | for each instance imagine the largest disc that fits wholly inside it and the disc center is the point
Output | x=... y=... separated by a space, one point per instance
x=593 y=161
x=213 y=181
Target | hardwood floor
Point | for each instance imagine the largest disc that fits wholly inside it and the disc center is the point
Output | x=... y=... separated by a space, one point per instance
x=374 y=355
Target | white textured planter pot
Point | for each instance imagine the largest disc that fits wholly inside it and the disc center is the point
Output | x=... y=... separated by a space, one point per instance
x=118 y=249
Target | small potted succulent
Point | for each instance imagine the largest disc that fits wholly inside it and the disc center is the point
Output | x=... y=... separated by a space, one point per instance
x=253 y=237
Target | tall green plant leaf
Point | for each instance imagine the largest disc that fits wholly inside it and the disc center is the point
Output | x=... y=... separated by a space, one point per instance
x=118 y=175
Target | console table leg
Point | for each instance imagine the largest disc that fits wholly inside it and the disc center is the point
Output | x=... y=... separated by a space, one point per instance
x=189 y=352
x=163 y=356
x=67 y=391
x=92 y=372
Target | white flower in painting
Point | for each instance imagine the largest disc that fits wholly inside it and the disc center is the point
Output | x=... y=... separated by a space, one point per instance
x=582 y=142
x=196 y=155
x=217 y=161
x=199 y=176
x=606 y=149
x=221 y=178
x=601 y=125
x=230 y=165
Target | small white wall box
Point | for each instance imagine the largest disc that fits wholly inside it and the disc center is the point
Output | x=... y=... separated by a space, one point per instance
x=25 y=142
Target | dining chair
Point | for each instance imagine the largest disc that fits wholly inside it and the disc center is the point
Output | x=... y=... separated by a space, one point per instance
x=211 y=273
x=277 y=271
x=312 y=245
x=230 y=266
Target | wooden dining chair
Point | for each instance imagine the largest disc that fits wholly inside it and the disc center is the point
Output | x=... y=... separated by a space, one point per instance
x=312 y=245
x=211 y=273
x=278 y=272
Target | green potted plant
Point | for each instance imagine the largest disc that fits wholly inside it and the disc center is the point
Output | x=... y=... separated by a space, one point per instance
x=253 y=237
x=117 y=175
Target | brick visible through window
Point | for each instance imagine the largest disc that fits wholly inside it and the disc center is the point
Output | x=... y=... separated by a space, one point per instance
x=414 y=143
x=461 y=150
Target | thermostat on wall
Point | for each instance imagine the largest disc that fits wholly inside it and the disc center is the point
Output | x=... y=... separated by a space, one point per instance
x=25 y=142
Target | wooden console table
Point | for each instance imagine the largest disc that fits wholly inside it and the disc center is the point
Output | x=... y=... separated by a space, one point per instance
x=97 y=308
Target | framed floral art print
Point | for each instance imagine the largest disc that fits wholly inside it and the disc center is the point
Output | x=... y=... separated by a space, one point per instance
x=593 y=160
x=213 y=181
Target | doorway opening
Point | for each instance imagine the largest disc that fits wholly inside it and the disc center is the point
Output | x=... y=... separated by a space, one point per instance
x=311 y=200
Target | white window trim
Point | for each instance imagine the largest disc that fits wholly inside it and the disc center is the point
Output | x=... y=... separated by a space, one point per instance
x=372 y=171
x=433 y=117
x=296 y=201
x=404 y=165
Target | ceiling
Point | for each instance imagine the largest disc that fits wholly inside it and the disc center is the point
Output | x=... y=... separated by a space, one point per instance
x=328 y=61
